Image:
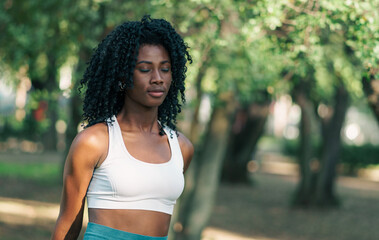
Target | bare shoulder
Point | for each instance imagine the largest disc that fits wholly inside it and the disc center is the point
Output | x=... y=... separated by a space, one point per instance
x=92 y=137
x=187 y=149
x=88 y=147
x=91 y=143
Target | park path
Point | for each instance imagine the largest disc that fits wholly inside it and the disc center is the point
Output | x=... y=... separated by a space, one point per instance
x=29 y=213
x=248 y=213
x=26 y=212
x=225 y=223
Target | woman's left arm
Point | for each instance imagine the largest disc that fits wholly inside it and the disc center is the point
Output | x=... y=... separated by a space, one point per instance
x=187 y=150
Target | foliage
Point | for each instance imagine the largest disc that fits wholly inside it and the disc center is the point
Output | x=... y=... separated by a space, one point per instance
x=353 y=157
x=290 y=147
x=322 y=35
x=29 y=39
x=46 y=173
x=247 y=50
x=29 y=129
x=249 y=47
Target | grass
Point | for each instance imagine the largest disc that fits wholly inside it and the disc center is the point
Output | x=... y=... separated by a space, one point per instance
x=43 y=173
x=261 y=212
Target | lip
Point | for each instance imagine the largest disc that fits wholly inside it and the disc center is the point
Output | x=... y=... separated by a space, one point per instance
x=156 y=92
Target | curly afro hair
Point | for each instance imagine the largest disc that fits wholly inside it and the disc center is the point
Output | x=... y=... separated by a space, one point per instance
x=111 y=67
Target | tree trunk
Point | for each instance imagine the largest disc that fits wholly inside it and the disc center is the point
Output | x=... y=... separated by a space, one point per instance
x=85 y=52
x=195 y=215
x=371 y=89
x=304 y=193
x=50 y=137
x=325 y=194
x=247 y=129
x=195 y=133
x=317 y=178
x=75 y=111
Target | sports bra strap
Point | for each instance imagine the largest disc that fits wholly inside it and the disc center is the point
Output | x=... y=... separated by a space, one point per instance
x=175 y=147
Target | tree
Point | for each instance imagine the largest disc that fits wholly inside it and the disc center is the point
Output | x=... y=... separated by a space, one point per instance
x=326 y=45
x=248 y=127
x=38 y=43
x=238 y=80
x=245 y=54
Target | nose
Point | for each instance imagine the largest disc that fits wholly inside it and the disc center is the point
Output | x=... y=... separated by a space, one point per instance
x=156 y=77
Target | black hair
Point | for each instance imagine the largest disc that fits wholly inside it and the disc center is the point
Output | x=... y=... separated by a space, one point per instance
x=111 y=67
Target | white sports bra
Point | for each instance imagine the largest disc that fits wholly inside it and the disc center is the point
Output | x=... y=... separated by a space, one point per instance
x=124 y=182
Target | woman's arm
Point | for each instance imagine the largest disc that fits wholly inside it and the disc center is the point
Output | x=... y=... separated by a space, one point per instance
x=87 y=150
x=187 y=150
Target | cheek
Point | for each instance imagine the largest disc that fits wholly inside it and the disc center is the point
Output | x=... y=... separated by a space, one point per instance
x=169 y=83
x=138 y=80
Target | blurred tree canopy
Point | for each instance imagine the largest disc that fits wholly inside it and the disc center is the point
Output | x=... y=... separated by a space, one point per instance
x=246 y=53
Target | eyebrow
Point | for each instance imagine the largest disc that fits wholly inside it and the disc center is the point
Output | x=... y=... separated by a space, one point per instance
x=148 y=62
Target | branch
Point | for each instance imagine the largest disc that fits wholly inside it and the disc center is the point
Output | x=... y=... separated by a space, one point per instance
x=301 y=10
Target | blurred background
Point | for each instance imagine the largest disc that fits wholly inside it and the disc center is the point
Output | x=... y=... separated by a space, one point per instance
x=282 y=107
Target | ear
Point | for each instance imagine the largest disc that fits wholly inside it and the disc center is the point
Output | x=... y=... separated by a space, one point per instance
x=121 y=84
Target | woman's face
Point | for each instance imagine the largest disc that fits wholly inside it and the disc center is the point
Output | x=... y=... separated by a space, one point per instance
x=151 y=78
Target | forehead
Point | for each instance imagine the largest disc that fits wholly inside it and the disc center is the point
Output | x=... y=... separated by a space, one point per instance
x=153 y=53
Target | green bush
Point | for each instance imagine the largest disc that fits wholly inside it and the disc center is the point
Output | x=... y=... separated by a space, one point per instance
x=291 y=148
x=352 y=157
x=360 y=156
x=44 y=173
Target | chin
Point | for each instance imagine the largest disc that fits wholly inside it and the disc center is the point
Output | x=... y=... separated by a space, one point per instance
x=154 y=104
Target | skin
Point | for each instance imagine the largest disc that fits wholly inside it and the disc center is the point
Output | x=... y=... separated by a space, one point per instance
x=140 y=131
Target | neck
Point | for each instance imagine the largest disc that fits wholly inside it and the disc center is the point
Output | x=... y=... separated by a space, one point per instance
x=139 y=119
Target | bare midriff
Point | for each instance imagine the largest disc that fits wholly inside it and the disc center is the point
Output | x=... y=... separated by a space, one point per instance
x=143 y=222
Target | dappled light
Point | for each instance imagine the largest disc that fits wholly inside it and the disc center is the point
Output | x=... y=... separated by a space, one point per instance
x=220 y=234
x=281 y=106
x=28 y=211
x=13 y=144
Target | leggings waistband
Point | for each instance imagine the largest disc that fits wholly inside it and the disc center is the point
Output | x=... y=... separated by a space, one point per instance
x=100 y=232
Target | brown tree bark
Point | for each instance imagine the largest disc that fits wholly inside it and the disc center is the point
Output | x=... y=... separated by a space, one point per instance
x=317 y=177
x=207 y=173
x=75 y=105
x=304 y=192
x=84 y=54
x=371 y=90
x=247 y=129
x=331 y=139
x=50 y=137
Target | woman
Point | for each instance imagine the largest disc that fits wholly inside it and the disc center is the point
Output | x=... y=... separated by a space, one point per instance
x=130 y=159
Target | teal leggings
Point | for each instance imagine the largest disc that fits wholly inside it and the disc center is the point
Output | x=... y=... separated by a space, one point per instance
x=99 y=232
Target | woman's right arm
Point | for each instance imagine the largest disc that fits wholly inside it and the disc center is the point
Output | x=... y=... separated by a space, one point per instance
x=87 y=150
